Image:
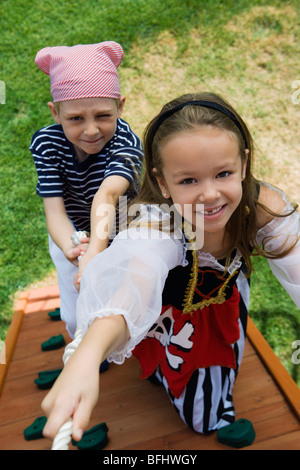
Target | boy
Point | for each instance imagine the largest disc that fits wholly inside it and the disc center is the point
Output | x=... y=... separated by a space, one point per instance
x=85 y=161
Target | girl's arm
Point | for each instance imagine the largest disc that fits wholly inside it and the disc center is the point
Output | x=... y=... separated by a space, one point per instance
x=102 y=218
x=120 y=299
x=128 y=279
x=75 y=392
x=281 y=233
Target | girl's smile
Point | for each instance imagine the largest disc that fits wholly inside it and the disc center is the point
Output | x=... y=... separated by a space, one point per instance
x=212 y=212
x=202 y=168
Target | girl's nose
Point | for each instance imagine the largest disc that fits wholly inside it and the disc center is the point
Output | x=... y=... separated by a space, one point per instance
x=208 y=192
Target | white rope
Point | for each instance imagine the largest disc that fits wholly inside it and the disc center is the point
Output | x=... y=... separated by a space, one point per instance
x=78 y=236
x=63 y=437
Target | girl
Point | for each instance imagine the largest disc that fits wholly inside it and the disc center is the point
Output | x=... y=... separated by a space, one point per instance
x=176 y=295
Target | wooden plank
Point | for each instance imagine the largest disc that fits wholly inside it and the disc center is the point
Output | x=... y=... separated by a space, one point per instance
x=12 y=337
x=283 y=442
x=287 y=385
x=139 y=414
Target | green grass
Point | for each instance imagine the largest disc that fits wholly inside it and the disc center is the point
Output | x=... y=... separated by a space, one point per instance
x=23 y=248
x=275 y=314
x=245 y=50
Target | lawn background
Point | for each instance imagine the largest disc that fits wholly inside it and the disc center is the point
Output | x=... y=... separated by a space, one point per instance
x=247 y=51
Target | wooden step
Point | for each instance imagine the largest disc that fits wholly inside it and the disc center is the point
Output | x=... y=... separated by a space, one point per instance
x=138 y=414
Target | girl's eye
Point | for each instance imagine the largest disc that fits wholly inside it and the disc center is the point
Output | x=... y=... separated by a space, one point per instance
x=75 y=118
x=188 y=181
x=223 y=174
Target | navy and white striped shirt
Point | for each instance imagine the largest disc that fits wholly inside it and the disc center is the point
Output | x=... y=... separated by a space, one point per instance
x=61 y=175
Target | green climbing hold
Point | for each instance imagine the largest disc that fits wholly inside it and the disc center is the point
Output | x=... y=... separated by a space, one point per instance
x=54 y=342
x=47 y=378
x=104 y=365
x=55 y=314
x=35 y=430
x=93 y=439
x=238 y=434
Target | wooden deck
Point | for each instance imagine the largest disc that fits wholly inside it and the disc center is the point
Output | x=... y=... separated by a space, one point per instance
x=138 y=413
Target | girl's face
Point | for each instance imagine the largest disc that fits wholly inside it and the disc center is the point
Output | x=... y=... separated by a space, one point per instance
x=202 y=173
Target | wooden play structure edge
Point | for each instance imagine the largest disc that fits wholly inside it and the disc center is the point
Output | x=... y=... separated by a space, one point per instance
x=40 y=299
x=287 y=385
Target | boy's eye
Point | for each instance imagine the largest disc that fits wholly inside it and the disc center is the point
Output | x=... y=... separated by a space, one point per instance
x=75 y=118
x=103 y=116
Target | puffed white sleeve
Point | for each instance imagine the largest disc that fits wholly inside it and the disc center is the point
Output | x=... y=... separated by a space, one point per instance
x=284 y=232
x=128 y=279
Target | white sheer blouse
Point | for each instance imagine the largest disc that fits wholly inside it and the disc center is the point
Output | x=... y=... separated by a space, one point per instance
x=128 y=277
x=284 y=231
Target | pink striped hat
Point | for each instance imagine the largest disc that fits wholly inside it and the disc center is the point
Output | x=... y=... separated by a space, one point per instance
x=82 y=71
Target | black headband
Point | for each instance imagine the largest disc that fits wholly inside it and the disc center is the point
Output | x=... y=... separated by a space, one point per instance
x=205 y=104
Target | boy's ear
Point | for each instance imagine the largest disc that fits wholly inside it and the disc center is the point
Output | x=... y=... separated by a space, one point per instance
x=121 y=105
x=53 y=112
x=122 y=100
x=162 y=186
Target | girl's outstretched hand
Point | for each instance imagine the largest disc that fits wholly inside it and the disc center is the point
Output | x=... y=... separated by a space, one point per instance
x=76 y=390
x=74 y=394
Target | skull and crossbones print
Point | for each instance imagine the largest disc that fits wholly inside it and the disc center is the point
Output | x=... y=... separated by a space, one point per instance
x=163 y=331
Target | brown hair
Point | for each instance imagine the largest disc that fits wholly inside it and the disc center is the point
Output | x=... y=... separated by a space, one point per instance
x=241 y=229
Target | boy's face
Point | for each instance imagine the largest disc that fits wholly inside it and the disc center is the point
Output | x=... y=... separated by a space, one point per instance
x=88 y=123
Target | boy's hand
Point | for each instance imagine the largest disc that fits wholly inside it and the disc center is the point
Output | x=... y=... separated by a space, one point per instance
x=72 y=255
x=74 y=252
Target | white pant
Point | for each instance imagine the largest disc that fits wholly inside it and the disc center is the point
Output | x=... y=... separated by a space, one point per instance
x=67 y=291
